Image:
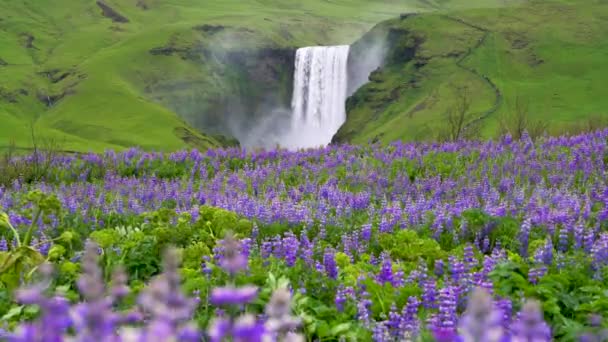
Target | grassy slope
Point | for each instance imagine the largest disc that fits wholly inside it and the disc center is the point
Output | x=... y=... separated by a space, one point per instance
x=110 y=66
x=551 y=53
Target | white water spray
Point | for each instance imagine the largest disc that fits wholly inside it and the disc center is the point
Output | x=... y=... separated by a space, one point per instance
x=319 y=96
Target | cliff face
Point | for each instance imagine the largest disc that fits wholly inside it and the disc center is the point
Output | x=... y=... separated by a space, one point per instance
x=257 y=83
x=378 y=55
x=233 y=83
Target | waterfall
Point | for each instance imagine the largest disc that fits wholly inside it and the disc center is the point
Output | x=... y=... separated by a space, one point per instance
x=319 y=96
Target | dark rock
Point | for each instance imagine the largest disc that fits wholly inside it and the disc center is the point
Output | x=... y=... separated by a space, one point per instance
x=519 y=44
x=405 y=45
x=55 y=75
x=142 y=4
x=164 y=51
x=8 y=96
x=227 y=141
x=211 y=29
x=534 y=60
x=191 y=138
x=518 y=41
x=111 y=13
x=51 y=99
x=454 y=54
x=116 y=28
x=28 y=40
x=420 y=62
x=245 y=30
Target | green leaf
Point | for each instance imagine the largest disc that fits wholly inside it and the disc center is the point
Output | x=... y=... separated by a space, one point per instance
x=13 y=312
x=32 y=310
x=323 y=329
x=340 y=328
x=4 y=220
x=283 y=283
x=56 y=252
x=22 y=256
x=10 y=261
x=62 y=288
x=272 y=280
x=32 y=255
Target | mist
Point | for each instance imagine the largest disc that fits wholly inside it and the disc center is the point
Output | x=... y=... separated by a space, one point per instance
x=278 y=128
x=267 y=132
x=253 y=87
x=366 y=56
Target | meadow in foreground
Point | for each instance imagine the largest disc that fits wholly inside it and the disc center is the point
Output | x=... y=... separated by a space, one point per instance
x=469 y=241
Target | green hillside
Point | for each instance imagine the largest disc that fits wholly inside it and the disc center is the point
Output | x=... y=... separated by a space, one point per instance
x=168 y=74
x=118 y=73
x=550 y=54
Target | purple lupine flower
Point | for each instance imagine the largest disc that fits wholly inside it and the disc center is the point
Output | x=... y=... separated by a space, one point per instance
x=457 y=269
x=366 y=232
x=218 y=329
x=386 y=270
x=205 y=266
x=485 y=246
x=280 y=321
x=394 y=321
x=120 y=288
x=233 y=296
x=524 y=236
x=535 y=273
x=481 y=322
x=399 y=278
x=544 y=254
x=232 y=259
x=380 y=333
x=579 y=233
x=588 y=240
x=94 y=318
x=506 y=307
x=409 y=317
x=329 y=263
x=530 y=326
x=363 y=309
x=54 y=320
x=266 y=249
x=163 y=301
x=439 y=265
x=598 y=335
x=469 y=258
x=429 y=294
x=247 y=328
x=291 y=246
x=340 y=298
x=563 y=240
x=445 y=325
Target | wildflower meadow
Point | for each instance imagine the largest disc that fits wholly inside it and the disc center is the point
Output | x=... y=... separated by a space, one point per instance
x=501 y=240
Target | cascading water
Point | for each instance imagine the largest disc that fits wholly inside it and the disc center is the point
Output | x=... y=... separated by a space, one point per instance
x=319 y=96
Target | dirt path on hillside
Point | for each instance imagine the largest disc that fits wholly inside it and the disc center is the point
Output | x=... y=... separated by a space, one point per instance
x=498 y=94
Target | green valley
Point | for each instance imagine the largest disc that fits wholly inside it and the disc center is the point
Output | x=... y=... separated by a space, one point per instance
x=164 y=75
x=549 y=55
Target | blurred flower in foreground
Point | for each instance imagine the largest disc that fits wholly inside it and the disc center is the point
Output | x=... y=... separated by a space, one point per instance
x=530 y=327
x=481 y=322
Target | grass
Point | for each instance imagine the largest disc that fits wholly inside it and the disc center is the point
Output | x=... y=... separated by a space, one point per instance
x=93 y=83
x=116 y=93
x=550 y=53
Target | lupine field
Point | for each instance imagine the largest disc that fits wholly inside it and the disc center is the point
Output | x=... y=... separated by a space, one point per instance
x=470 y=241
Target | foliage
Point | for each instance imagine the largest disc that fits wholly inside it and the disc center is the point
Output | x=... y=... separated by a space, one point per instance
x=362 y=236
